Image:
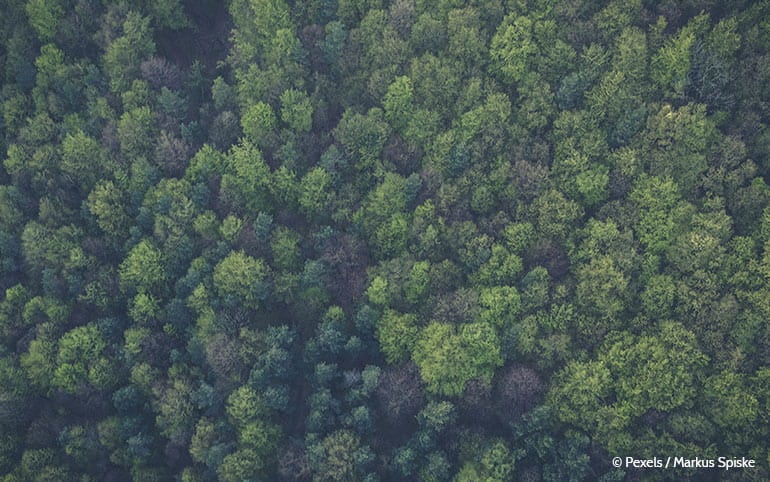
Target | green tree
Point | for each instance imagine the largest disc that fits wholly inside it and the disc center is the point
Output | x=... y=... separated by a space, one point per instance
x=244 y=406
x=243 y=464
x=732 y=406
x=502 y=268
x=661 y=213
x=500 y=306
x=80 y=359
x=83 y=160
x=416 y=286
x=246 y=184
x=398 y=103
x=257 y=23
x=364 y=137
x=257 y=122
x=493 y=462
x=296 y=110
x=340 y=457
x=124 y=55
x=45 y=16
x=241 y=278
x=601 y=288
x=398 y=334
x=678 y=141
x=39 y=362
x=655 y=371
x=136 y=132
x=512 y=48
x=168 y=14
x=143 y=269
x=579 y=391
x=108 y=204
x=556 y=214
x=670 y=66
x=449 y=356
x=285 y=247
x=315 y=193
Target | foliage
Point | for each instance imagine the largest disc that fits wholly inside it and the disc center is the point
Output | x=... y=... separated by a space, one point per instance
x=448 y=357
x=369 y=240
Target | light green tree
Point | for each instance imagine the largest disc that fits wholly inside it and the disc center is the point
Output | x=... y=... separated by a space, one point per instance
x=449 y=356
x=143 y=269
x=241 y=278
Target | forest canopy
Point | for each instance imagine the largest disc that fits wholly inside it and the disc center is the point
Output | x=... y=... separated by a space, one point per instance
x=375 y=240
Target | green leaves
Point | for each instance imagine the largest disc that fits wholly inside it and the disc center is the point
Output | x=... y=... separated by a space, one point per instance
x=631 y=376
x=449 y=356
x=296 y=110
x=258 y=121
x=142 y=270
x=45 y=16
x=124 y=54
x=136 y=132
x=660 y=212
x=246 y=183
x=398 y=103
x=654 y=371
x=79 y=360
x=239 y=278
x=398 y=334
x=671 y=65
x=512 y=48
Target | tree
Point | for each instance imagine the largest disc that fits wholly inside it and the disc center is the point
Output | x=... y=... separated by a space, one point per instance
x=398 y=333
x=257 y=122
x=631 y=377
x=578 y=393
x=244 y=405
x=80 y=359
x=661 y=213
x=500 y=306
x=400 y=394
x=83 y=160
x=448 y=356
x=136 y=132
x=241 y=278
x=108 y=204
x=257 y=22
x=512 y=47
x=583 y=180
x=168 y=14
x=340 y=457
x=678 y=142
x=664 y=365
x=517 y=390
x=296 y=110
x=601 y=287
x=45 y=16
x=285 y=248
x=40 y=360
x=363 y=137
x=669 y=68
x=502 y=268
x=315 y=194
x=493 y=462
x=555 y=214
x=125 y=54
x=731 y=404
x=245 y=185
x=398 y=103
x=240 y=465
x=659 y=296
x=143 y=269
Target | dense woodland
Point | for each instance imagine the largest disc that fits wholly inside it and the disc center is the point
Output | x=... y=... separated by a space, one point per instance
x=373 y=240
